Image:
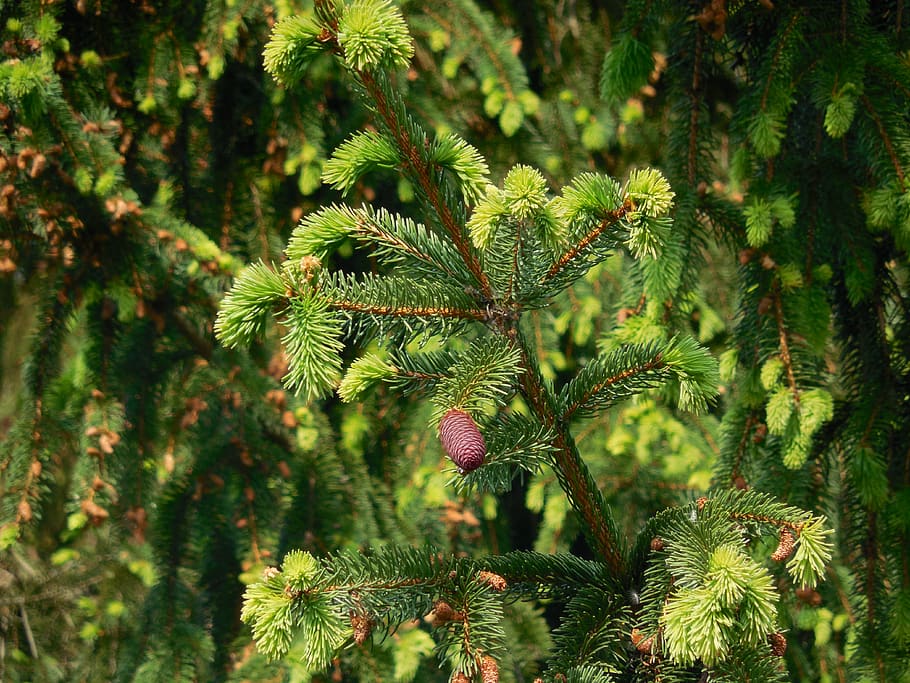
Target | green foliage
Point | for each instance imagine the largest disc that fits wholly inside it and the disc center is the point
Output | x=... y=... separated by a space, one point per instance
x=172 y=462
x=248 y=308
x=313 y=345
x=625 y=68
x=372 y=33
x=524 y=248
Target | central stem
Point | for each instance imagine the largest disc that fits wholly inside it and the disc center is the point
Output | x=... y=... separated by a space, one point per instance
x=571 y=471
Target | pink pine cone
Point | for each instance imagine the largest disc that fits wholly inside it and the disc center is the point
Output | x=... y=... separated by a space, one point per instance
x=461 y=440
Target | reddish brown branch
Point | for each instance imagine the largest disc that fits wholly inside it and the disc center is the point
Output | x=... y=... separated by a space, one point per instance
x=413 y=311
x=611 y=218
x=886 y=140
x=785 y=345
x=654 y=363
x=571 y=471
x=420 y=169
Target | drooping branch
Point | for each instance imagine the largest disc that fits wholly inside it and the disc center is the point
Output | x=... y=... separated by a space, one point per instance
x=887 y=142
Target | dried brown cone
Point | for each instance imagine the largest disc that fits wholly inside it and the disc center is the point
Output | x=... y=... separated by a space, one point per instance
x=778 y=643
x=459 y=677
x=657 y=544
x=784 y=546
x=363 y=627
x=808 y=596
x=642 y=644
x=494 y=581
x=462 y=440
x=489 y=670
x=442 y=613
x=701 y=502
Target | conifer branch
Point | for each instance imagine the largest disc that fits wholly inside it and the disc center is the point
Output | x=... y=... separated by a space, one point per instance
x=573 y=474
x=785 y=356
x=741 y=447
x=413 y=158
x=886 y=141
x=578 y=402
x=776 y=58
x=695 y=104
x=432 y=304
x=480 y=38
x=578 y=249
x=406 y=311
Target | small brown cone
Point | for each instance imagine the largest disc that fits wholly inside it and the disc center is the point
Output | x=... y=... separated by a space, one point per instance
x=442 y=613
x=363 y=627
x=778 y=643
x=642 y=644
x=784 y=546
x=494 y=581
x=657 y=544
x=489 y=670
x=459 y=677
x=462 y=440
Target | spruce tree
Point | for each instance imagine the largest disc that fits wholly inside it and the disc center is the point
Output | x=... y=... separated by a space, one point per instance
x=447 y=316
x=461 y=465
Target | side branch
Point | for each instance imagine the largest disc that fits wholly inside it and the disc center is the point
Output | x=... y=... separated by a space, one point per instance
x=886 y=140
x=776 y=58
x=411 y=311
x=611 y=218
x=654 y=364
x=420 y=169
x=785 y=345
x=695 y=103
x=372 y=231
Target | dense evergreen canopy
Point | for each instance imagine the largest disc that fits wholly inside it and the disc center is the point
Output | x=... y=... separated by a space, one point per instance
x=454 y=341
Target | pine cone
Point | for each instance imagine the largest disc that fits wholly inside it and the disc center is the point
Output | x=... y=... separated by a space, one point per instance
x=489 y=670
x=459 y=677
x=363 y=627
x=784 y=546
x=778 y=643
x=494 y=581
x=442 y=613
x=461 y=440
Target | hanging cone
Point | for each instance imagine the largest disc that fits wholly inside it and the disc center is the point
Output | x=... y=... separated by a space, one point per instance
x=489 y=670
x=784 y=546
x=462 y=441
x=778 y=643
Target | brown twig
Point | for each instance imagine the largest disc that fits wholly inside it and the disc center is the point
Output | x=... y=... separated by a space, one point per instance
x=610 y=219
x=785 y=356
x=886 y=140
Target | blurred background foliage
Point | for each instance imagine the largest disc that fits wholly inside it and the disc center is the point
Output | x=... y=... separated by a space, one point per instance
x=147 y=474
